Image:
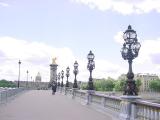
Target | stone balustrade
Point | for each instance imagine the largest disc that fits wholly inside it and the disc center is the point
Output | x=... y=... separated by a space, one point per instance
x=137 y=109
x=6 y=93
x=147 y=110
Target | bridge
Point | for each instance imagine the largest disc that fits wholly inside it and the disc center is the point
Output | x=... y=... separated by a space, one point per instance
x=70 y=104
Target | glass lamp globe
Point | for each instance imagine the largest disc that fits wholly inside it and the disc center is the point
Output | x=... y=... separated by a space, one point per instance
x=129 y=35
x=90 y=56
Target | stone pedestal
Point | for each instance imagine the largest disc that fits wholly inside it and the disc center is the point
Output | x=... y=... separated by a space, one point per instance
x=74 y=92
x=89 y=96
x=53 y=72
x=128 y=108
x=66 y=90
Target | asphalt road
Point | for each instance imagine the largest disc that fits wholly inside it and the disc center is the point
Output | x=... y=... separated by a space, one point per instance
x=41 y=105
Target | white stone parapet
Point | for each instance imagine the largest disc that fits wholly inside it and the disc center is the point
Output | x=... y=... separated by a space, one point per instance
x=120 y=108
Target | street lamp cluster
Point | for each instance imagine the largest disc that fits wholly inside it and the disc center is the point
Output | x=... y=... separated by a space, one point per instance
x=90 y=67
x=75 y=71
x=18 y=85
x=19 y=63
x=129 y=51
x=62 y=76
x=67 y=75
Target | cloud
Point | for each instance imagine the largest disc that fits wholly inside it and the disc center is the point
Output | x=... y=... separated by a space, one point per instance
x=36 y=57
x=124 y=7
x=106 y=68
x=4 y=4
x=119 y=37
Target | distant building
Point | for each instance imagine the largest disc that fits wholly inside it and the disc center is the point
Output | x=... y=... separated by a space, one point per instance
x=33 y=85
x=145 y=79
x=38 y=78
x=122 y=77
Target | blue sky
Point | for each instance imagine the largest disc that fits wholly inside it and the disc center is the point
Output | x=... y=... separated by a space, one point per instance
x=68 y=29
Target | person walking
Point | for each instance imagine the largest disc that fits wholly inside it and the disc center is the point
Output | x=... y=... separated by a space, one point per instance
x=54 y=86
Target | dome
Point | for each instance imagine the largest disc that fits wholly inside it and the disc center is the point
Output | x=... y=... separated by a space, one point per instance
x=38 y=77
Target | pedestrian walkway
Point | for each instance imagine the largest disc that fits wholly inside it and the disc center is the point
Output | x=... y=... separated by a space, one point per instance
x=42 y=105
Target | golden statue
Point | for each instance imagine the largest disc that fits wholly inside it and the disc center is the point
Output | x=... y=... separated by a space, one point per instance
x=54 y=60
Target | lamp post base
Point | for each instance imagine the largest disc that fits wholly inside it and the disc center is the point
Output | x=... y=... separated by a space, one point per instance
x=128 y=108
x=74 y=92
x=89 y=96
x=66 y=90
x=90 y=85
x=130 y=88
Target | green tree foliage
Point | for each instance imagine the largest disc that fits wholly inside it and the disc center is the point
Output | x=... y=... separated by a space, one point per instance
x=5 y=83
x=155 y=85
x=119 y=85
x=84 y=86
x=138 y=83
x=104 y=84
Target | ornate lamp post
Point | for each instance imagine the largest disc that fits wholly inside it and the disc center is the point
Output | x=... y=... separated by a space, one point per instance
x=130 y=51
x=27 y=79
x=62 y=76
x=19 y=72
x=75 y=71
x=56 y=79
x=67 y=75
x=59 y=77
x=90 y=67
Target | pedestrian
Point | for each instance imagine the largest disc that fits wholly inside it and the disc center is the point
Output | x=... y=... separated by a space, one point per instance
x=54 y=86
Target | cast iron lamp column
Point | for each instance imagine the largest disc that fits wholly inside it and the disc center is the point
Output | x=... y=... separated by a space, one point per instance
x=67 y=75
x=56 y=79
x=90 y=67
x=27 y=79
x=19 y=72
x=59 y=77
x=75 y=71
x=130 y=51
x=62 y=76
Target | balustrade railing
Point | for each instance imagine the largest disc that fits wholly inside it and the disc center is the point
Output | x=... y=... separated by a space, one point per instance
x=139 y=109
x=6 y=93
x=147 y=110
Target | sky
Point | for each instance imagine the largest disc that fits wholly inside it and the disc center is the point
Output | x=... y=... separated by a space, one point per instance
x=35 y=31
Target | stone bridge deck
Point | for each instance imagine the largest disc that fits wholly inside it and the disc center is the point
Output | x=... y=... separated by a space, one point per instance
x=41 y=105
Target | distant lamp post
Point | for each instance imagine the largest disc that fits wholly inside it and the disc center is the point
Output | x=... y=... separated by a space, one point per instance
x=19 y=63
x=130 y=51
x=67 y=75
x=75 y=71
x=59 y=77
x=90 y=67
x=56 y=79
x=27 y=79
x=62 y=76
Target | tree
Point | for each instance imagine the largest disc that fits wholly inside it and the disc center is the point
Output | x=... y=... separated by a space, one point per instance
x=5 y=83
x=104 y=84
x=138 y=83
x=155 y=85
x=119 y=85
x=84 y=86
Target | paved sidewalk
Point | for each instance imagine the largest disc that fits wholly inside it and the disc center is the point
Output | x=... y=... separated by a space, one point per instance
x=41 y=105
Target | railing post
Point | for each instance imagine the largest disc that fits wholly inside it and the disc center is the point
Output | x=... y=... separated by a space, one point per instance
x=128 y=108
x=103 y=101
x=74 y=92
x=133 y=111
x=66 y=90
x=89 y=96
